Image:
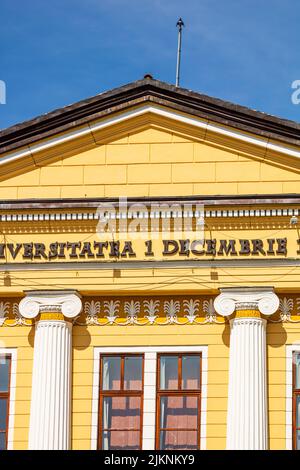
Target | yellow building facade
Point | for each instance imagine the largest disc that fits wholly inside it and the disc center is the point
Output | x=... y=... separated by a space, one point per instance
x=150 y=254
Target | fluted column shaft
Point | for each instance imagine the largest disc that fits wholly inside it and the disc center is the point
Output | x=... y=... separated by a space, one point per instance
x=51 y=386
x=247 y=413
x=50 y=411
x=247 y=423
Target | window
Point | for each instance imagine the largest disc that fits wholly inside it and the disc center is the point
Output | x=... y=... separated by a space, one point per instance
x=178 y=401
x=296 y=400
x=5 y=365
x=121 y=402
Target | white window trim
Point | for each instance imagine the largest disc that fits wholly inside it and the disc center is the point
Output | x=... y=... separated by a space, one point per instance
x=290 y=349
x=12 y=395
x=150 y=353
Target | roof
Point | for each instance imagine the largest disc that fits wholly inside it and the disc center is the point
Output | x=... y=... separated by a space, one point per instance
x=156 y=92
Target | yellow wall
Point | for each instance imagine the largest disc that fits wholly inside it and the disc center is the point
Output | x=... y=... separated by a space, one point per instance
x=21 y=338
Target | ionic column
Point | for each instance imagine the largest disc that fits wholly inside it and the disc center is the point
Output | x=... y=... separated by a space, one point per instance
x=51 y=381
x=247 y=415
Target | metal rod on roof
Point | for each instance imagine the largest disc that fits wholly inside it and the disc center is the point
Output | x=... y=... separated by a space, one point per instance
x=179 y=25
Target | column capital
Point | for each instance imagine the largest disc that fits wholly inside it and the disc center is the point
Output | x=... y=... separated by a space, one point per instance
x=66 y=303
x=260 y=299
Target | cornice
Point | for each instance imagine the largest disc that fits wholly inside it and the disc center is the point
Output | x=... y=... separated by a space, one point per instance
x=156 y=92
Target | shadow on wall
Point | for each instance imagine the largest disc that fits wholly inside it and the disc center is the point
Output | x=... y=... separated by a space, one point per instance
x=81 y=337
x=276 y=335
x=276 y=338
x=226 y=334
x=80 y=341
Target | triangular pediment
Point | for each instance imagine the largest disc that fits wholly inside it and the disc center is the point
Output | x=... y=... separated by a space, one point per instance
x=150 y=138
x=148 y=155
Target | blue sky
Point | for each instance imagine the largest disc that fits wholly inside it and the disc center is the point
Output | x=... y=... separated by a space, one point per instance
x=57 y=52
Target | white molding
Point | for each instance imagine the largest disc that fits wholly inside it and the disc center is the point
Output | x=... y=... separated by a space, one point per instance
x=150 y=353
x=141 y=110
x=12 y=395
x=290 y=349
x=228 y=213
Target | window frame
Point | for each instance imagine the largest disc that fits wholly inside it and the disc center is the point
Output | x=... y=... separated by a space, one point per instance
x=296 y=392
x=7 y=396
x=150 y=366
x=118 y=393
x=179 y=392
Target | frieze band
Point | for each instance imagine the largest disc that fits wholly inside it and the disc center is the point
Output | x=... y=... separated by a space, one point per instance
x=150 y=311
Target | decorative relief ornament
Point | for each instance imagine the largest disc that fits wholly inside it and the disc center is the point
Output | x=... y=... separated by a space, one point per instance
x=19 y=320
x=209 y=309
x=111 y=307
x=4 y=311
x=171 y=308
x=191 y=307
x=132 y=309
x=148 y=311
x=286 y=307
x=151 y=309
x=92 y=310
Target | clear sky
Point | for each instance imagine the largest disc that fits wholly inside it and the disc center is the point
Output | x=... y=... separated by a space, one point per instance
x=57 y=52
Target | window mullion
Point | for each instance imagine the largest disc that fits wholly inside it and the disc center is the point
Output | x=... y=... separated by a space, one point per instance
x=122 y=373
x=179 y=371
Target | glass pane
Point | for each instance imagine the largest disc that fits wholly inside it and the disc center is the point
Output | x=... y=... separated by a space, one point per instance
x=179 y=412
x=297 y=440
x=169 y=372
x=3 y=413
x=4 y=373
x=114 y=440
x=111 y=373
x=297 y=365
x=2 y=440
x=190 y=372
x=121 y=413
x=177 y=440
x=298 y=411
x=133 y=373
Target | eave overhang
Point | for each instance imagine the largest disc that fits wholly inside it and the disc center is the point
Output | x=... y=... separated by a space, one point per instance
x=153 y=92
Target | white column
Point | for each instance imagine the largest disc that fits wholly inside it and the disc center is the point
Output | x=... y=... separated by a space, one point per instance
x=50 y=411
x=247 y=417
